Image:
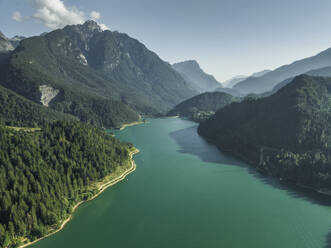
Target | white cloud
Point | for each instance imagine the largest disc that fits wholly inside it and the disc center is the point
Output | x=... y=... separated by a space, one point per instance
x=95 y=15
x=103 y=26
x=17 y=16
x=54 y=14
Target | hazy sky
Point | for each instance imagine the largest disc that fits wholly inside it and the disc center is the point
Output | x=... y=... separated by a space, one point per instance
x=227 y=37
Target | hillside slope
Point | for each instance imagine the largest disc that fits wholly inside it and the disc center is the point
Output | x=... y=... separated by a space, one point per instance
x=18 y=111
x=286 y=135
x=202 y=106
x=102 y=77
x=45 y=173
x=196 y=77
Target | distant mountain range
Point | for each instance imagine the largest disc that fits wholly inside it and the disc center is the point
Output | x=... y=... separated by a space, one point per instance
x=322 y=72
x=198 y=79
x=102 y=77
x=233 y=81
x=269 y=80
x=230 y=91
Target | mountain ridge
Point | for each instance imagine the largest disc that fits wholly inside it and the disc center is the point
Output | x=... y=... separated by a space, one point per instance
x=196 y=77
x=269 y=80
x=286 y=135
x=9 y=44
x=90 y=68
x=236 y=79
x=200 y=107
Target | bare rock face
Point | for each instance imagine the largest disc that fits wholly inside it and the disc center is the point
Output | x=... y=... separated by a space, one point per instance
x=82 y=59
x=5 y=44
x=15 y=41
x=47 y=94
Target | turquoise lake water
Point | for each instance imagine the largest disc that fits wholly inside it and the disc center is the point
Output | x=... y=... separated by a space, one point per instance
x=185 y=193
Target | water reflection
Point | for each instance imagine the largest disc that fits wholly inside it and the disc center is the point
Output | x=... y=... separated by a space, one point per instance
x=191 y=143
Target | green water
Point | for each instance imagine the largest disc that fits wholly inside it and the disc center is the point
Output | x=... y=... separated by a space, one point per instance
x=185 y=193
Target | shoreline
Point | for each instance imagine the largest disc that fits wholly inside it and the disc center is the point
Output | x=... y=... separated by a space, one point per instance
x=252 y=164
x=131 y=124
x=101 y=189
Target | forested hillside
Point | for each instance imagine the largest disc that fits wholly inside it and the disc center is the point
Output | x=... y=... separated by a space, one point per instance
x=196 y=77
x=287 y=135
x=18 y=111
x=202 y=106
x=43 y=174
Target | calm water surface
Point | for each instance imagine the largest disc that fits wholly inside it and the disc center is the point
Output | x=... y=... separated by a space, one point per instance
x=185 y=193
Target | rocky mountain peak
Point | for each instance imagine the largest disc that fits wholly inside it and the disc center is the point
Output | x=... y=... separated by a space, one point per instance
x=91 y=26
x=85 y=30
x=5 y=44
x=80 y=36
x=190 y=63
x=2 y=36
x=199 y=80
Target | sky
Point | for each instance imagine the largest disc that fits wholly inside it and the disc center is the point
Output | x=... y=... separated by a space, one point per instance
x=226 y=37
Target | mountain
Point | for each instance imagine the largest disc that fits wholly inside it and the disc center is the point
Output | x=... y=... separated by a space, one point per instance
x=260 y=73
x=15 y=41
x=287 y=135
x=18 y=111
x=269 y=80
x=233 y=81
x=102 y=77
x=200 y=107
x=7 y=44
x=230 y=91
x=322 y=72
x=196 y=77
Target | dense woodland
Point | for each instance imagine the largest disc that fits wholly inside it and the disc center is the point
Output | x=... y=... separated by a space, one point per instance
x=103 y=79
x=43 y=174
x=18 y=111
x=287 y=134
x=201 y=107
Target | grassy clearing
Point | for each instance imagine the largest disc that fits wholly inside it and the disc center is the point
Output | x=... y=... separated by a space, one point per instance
x=24 y=129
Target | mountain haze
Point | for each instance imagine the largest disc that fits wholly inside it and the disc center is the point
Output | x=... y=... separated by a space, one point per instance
x=200 y=107
x=321 y=72
x=236 y=79
x=269 y=80
x=196 y=77
x=230 y=91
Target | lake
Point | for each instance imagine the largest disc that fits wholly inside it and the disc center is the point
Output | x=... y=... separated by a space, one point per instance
x=185 y=193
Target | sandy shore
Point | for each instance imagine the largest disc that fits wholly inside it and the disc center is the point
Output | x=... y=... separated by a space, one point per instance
x=102 y=188
x=131 y=124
